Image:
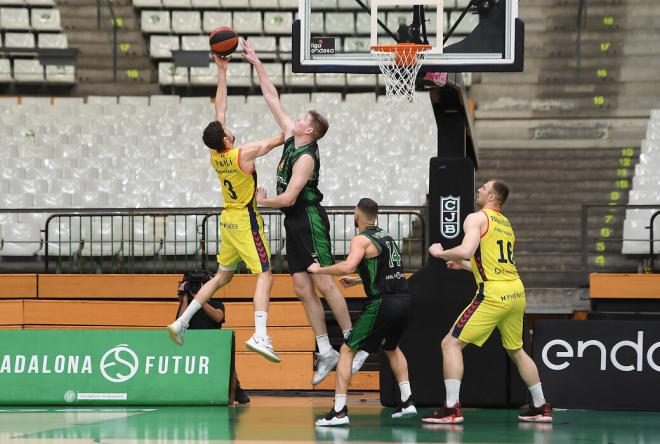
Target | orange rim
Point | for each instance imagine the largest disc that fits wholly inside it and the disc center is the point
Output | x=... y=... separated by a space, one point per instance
x=402 y=51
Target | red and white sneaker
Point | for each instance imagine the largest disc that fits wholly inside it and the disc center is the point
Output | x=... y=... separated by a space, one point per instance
x=537 y=414
x=445 y=415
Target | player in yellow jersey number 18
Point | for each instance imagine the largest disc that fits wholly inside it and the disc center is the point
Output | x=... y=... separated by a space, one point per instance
x=487 y=251
x=241 y=227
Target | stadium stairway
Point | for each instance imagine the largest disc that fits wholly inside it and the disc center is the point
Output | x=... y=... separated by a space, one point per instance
x=564 y=138
x=548 y=188
x=95 y=77
x=618 y=76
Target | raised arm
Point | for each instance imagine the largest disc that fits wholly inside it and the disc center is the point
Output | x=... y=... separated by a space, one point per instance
x=302 y=170
x=268 y=90
x=221 y=91
x=251 y=150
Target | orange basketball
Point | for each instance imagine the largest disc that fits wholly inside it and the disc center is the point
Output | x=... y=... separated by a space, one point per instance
x=223 y=41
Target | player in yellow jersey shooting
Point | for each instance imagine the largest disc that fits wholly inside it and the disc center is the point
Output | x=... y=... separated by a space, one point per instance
x=500 y=302
x=241 y=224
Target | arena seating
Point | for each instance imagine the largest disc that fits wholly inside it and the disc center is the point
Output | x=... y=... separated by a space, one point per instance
x=138 y=152
x=645 y=191
x=26 y=25
x=184 y=25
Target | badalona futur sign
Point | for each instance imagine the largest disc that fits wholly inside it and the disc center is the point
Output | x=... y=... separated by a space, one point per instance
x=114 y=367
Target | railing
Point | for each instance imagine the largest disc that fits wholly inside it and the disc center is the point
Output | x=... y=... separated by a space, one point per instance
x=608 y=244
x=115 y=29
x=650 y=268
x=581 y=24
x=172 y=240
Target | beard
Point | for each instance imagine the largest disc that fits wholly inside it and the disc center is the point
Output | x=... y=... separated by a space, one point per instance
x=355 y=222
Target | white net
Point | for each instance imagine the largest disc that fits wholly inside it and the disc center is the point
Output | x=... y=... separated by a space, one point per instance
x=400 y=65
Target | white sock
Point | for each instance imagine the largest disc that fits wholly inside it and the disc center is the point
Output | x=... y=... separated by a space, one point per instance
x=192 y=308
x=340 y=402
x=453 y=387
x=346 y=333
x=537 y=395
x=404 y=388
x=323 y=344
x=260 y=320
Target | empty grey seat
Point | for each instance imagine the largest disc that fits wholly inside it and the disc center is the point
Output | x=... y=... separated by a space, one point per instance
x=161 y=46
x=19 y=40
x=14 y=18
x=49 y=40
x=28 y=71
x=155 y=21
x=216 y=19
x=45 y=19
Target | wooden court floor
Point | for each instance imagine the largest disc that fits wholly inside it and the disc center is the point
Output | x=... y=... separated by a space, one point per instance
x=291 y=419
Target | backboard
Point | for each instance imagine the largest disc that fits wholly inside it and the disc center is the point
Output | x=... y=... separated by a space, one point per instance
x=335 y=36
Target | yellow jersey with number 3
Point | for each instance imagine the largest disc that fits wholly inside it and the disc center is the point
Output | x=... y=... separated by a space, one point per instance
x=493 y=260
x=238 y=186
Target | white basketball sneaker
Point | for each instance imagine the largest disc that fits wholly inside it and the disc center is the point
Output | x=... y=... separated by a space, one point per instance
x=177 y=330
x=404 y=409
x=334 y=418
x=358 y=360
x=324 y=365
x=263 y=346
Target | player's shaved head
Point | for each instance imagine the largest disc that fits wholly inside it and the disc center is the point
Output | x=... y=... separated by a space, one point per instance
x=500 y=189
x=368 y=207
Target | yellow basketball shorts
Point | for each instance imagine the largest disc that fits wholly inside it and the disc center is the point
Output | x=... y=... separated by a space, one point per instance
x=243 y=239
x=498 y=304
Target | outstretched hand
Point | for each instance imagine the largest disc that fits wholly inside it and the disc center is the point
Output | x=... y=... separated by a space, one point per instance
x=248 y=52
x=454 y=265
x=314 y=268
x=348 y=281
x=261 y=194
x=221 y=62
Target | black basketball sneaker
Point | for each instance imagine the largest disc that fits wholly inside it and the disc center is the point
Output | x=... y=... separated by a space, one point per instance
x=537 y=414
x=406 y=408
x=334 y=418
x=445 y=415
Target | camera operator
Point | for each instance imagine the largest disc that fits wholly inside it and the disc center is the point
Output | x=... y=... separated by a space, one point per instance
x=211 y=316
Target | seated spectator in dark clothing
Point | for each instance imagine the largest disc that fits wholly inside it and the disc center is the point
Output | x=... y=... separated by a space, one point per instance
x=212 y=314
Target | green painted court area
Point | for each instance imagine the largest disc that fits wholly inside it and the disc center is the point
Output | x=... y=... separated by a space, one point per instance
x=272 y=419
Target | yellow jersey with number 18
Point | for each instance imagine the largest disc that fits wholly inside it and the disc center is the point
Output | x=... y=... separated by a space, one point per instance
x=493 y=260
x=238 y=186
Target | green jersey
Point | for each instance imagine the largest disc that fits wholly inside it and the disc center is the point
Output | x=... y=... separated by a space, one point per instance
x=310 y=194
x=382 y=274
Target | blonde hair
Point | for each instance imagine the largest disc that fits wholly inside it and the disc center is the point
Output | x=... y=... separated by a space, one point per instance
x=319 y=124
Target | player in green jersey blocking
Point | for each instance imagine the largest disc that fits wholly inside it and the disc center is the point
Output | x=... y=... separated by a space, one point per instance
x=305 y=220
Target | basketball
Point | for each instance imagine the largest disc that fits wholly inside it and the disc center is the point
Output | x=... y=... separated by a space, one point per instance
x=223 y=41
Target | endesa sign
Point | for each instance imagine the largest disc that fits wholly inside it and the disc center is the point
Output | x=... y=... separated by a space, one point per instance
x=599 y=364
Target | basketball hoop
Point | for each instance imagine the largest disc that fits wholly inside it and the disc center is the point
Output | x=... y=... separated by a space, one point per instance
x=400 y=64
